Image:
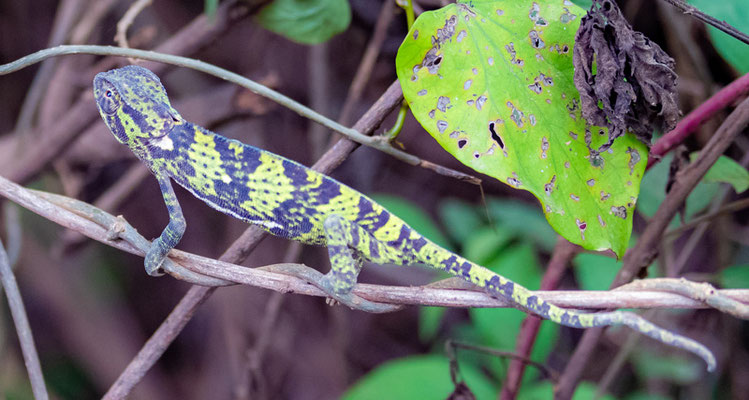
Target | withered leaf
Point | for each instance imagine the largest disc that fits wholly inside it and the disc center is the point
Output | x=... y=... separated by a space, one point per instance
x=634 y=85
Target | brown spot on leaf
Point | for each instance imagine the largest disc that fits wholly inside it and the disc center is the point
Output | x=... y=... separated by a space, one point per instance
x=441 y=126
x=536 y=40
x=515 y=115
x=620 y=211
x=634 y=158
x=443 y=103
x=549 y=187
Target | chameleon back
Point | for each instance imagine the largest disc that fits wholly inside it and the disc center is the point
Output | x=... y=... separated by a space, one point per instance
x=284 y=197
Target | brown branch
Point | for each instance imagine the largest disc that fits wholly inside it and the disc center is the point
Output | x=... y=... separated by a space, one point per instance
x=722 y=25
x=700 y=291
x=646 y=248
x=21 y=321
x=564 y=252
x=124 y=23
x=442 y=293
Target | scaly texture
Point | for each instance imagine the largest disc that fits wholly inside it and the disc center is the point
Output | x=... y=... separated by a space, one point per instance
x=290 y=200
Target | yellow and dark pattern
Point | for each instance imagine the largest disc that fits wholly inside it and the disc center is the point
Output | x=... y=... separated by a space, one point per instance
x=290 y=200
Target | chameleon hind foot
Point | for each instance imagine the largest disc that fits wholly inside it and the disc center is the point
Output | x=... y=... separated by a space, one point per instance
x=323 y=282
x=351 y=300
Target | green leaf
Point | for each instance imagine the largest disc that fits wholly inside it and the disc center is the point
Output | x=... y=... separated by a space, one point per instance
x=417 y=377
x=735 y=277
x=306 y=21
x=491 y=81
x=499 y=327
x=545 y=390
x=736 y=13
x=646 y=396
x=414 y=216
x=430 y=319
x=523 y=220
x=584 y=4
x=594 y=271
x=459 y=218
x=485 y=243
x=209 y=7
x=672 y=368
x=653 y=192
x=726 y=170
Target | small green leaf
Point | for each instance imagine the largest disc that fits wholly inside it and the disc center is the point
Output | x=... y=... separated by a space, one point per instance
x=735 y=277
x=671 y=368
x=646 y=396
x=459 y=218
x=417 y=377
x=492 y=82
x=209 y=7
x=545 y=390
x=653 y=192
x=414 y=216
x=584 y=4
x=485 y=243
x=523 y=220
x=594 y=271
x=430 y=319
x=726 y=170
x=499 y=327
x=306 y=21
x=736 y=13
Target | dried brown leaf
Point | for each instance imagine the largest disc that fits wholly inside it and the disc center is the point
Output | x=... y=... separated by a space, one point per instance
x=632 y=87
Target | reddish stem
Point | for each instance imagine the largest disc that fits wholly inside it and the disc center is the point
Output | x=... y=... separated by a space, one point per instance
x=563 y=253
x=694 y=119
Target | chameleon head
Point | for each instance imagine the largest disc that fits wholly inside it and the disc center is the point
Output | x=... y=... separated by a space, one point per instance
x=134 y=105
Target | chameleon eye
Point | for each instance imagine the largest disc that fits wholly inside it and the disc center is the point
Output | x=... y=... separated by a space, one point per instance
x=108 y=93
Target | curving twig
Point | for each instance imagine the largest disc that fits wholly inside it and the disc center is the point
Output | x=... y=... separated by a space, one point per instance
x=124 y=23
x=700 y=291
x=21 y=321
x=722 y=25
x=240 y=80
x=97 y=224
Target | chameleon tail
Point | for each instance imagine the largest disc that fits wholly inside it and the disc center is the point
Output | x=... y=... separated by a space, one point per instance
x=523 y=298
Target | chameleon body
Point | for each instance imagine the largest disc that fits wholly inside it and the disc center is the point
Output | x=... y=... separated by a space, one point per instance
x=290 y=200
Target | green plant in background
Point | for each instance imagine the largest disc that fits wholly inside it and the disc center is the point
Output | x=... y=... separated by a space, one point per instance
x=736 y=13
x=491 y=81
x=306 y=21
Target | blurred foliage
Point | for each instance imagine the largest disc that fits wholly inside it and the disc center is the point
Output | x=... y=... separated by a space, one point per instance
x=736 y=13
x=726 y=170
x=306 y=21
x=417 y=377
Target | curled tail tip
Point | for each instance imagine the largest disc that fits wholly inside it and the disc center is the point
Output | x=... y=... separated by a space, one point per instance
x=709 y=360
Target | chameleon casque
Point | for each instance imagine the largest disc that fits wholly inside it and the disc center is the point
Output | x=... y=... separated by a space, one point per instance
x=290 y=200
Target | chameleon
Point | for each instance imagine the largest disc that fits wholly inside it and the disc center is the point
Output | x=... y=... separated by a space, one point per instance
x=289 y=200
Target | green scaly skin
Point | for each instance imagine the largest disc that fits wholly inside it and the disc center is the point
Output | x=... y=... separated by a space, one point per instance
x=290 y=200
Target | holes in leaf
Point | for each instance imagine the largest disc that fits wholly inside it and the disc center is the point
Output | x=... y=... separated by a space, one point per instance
x=495 y=136
x=462 y=143
x=549 y=187
x=441 y=126
x=619 y=211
